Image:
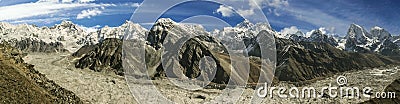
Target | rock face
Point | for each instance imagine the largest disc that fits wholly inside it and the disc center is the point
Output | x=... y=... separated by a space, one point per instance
x=197 y=48
x=377 y=41
x=393 y=87
x=105 y=56
x=298 y=58
x=301 y=61
x=165 y=37
x=316 y=36
x=34 y=45
x=20 y=83
x=66 y=34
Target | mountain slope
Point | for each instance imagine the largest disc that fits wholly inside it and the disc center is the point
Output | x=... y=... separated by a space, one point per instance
x=104 y=56
x=304 y=61
x=310 y=58
x=65 y=36
x=377 y=41
x=393 y=87
x=20 y=83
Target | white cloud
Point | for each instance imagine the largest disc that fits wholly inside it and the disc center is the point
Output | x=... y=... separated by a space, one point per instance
x=135 y=5
x=226 y=11
x=246 y=12
x=320 y=19
x=90 y=29
x=48 y=1
x=290 y=30
x=67 y=1
x=275 y=3
x=42 y=20
x=324 y=30
x=50 y=11
x=86 y=1
x=273 y=6
x=19 y=11
x=88 y=13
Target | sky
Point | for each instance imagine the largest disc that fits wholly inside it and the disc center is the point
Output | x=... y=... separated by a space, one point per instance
x=285 y=16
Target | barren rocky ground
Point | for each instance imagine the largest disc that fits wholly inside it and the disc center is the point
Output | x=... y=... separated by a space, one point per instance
x=20 y=83
x=90 y=86
x=95 y=87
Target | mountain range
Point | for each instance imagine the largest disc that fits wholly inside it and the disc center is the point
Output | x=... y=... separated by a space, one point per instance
x=299 y=57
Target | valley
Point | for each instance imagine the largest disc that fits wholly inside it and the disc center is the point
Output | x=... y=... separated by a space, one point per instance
x=95 y=87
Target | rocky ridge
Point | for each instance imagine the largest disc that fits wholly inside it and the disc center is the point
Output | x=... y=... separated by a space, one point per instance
x=64 y=36
x=298 y=60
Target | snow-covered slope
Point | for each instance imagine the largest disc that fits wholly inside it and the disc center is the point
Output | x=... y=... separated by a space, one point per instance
x=167 y=31
x=245 y=31
x=70 y=35
x=378 y=40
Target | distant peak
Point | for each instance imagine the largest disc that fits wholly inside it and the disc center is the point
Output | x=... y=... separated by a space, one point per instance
x=66 y=23
x=299 y=33
x=376 y=28
x=245 y=24
x=165 y=20
x=127 y=22
x=355 y=25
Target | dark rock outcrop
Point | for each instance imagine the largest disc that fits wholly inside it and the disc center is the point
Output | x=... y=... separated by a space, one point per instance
x=302 y=61
x=33 y=45
x=297 y=61
x=104 y=56
x=377 y=41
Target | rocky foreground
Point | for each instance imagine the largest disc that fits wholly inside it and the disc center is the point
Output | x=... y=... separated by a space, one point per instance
x=21 y=83
x=89 y=86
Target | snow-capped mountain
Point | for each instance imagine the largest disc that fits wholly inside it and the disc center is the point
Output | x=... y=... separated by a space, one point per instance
x=316 y=36
x=128 y=30
x=359 y=40
x=244 y=31
x=167 y=31
x=66 y=34
x=378 y=40
x=71 y=37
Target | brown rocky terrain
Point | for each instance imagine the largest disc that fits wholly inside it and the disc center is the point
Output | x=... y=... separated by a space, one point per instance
x=35 y=45
x=304 y=61
x=21 y=83
x=298 y=61
x=105 y=56
x=393 y=87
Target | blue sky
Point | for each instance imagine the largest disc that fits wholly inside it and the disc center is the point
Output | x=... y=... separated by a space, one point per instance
x=334 y=16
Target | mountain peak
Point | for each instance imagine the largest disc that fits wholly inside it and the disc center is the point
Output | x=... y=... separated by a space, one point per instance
x=245 y=24
x=66 y=23
x=376 y=28
x=379 y=32
x=355 y=26
x=299 y=33
x=164 y=23
x=128 y=23
x=165 y=20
